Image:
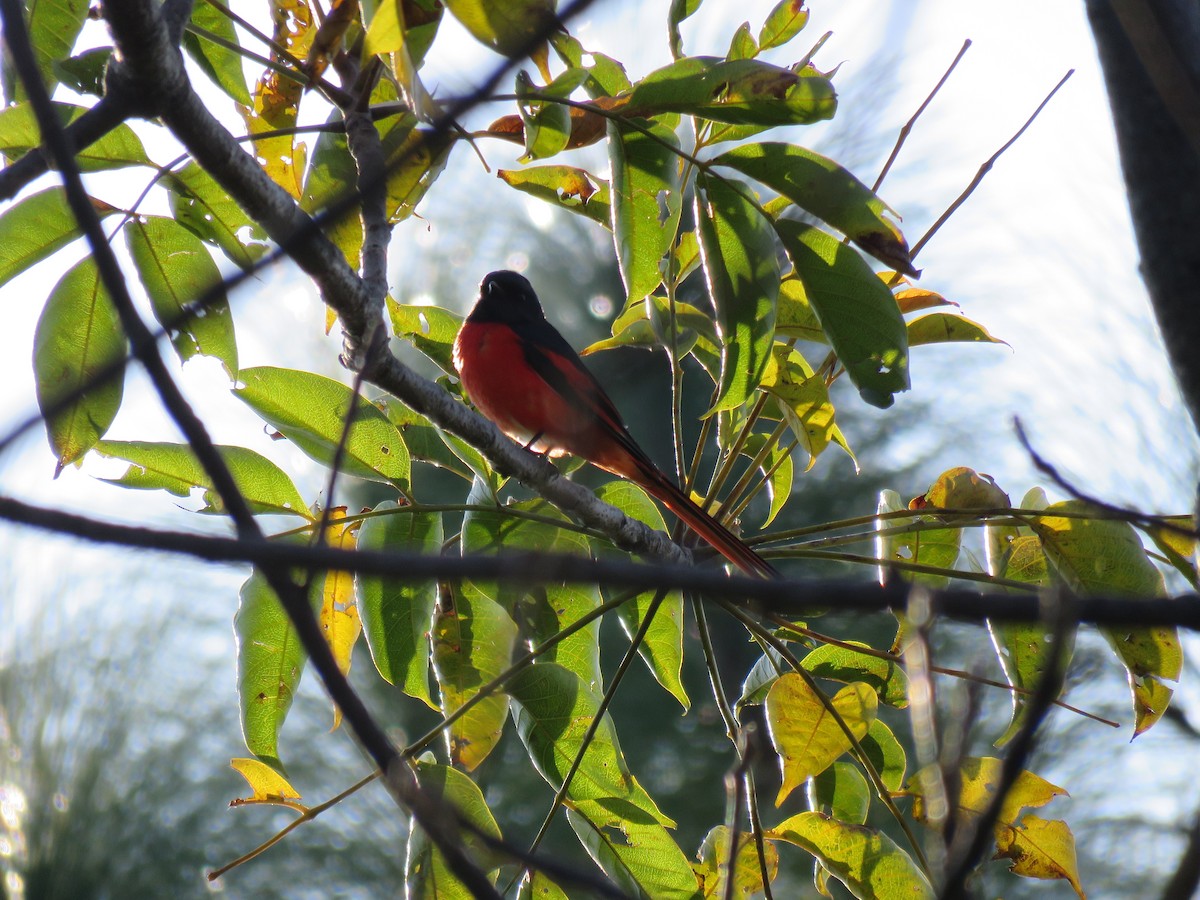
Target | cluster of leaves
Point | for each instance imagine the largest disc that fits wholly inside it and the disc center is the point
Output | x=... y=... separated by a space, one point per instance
x=771 y=280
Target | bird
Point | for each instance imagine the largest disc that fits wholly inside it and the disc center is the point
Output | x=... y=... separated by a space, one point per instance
x=524 y=376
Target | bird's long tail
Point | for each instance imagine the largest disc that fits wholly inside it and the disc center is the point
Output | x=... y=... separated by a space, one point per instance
x=721 y=538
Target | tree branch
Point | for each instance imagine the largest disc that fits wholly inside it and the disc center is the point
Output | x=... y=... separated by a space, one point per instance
x=784 y=597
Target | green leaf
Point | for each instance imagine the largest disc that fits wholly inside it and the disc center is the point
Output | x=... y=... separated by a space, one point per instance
x=78 y=335
x=546 y=610
x=646 y=202
x=430 y=329
x=415 y=158
x=331 y=173
x=841 y=792
x=397 y=613
x=794 y=315
x=886 y=754
x=566 y=187
x=53 y=28
x=175 y=269
x=1022 y=647
x=547 y=130
x=221 y=64
x=740 y=266
x=204 y=207
x=636 y=852
x=84 y=73
x=270 y=663
x=823 y=188
x=662 y=648
x=842 y=664
x=175 y=468
x=742 y=45
x=473 y=642
x=806 y=735
x=856 y=310
x=777 y=468
x=427 y=874
x=36 y=227
x=803 y=400
x=783 y=23
x=310 y=410
x=506 y=26
x=554 y=708
x=866 y=861
x=118 y=149
x=680 y=10
x=713 y=870
x=761 y=676
x=1105 y=556
x=946 y=328
x=424 y=441
x=739 y=92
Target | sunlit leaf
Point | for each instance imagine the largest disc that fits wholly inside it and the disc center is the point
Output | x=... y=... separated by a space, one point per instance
x=742 y=271
x=33 y=228
x=266 y=784
x=777 y=468
x=397 y=613
x=338 y=615
x=310 y=411
x=473 y=642
x=175 y=269
x=635 y=851
x=945 y=328
x=846 y=665
x=53 y=28
x=220 y=63
x=646 y=202
x=742 y=45
x=206 y=209
x=857 y=312
x=78 y=334
x=1178 y=547
x=431 y=330
x=270 y=663
x=117 y=149
x=1041 y=849
x=554 y=708
x=886 y=754
x=794 y=315
x=662 y=648
x=545 y=610
x=175 y=468
x=806 y=735
x=803 y=400
x=415 y=157
x=506 y=26
x=713 y=868
x=565 y=187
x=783 y=23
x=866 y=861
x=1105 y=556
x=679 y=11
x=427 y=873
x=842 y=792
x=739 y=92
x=424 y=441
x=821 y=187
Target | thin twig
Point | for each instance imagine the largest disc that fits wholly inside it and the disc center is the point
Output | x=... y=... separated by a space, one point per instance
x=908 y=126
x=984 y=169
x=1144 y=520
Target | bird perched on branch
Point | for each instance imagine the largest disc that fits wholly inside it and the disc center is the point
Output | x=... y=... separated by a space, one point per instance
x=524 y=376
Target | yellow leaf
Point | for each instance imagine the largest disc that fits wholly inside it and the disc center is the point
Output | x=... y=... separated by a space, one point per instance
x=1040 y=849
x=266 y=785
x=1150 y=700
x=339 y=612
x=807 y=738
x=979 y=777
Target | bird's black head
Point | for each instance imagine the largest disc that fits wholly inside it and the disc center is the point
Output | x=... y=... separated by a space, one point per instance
x=507 y=297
